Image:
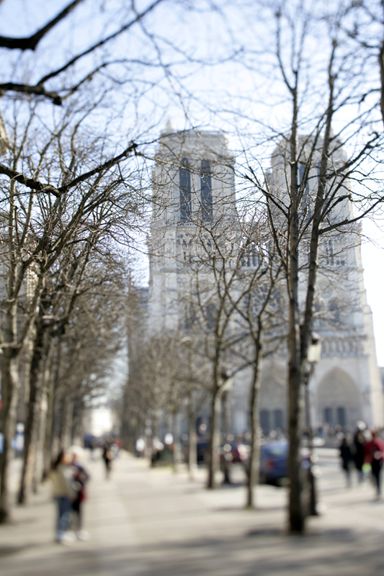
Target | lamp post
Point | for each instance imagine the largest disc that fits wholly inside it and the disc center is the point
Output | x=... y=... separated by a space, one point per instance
x=313 y=357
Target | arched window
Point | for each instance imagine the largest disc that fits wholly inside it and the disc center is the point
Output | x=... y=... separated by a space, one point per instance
x=185 y=191
x=265 y=421
x=328 y=415
x=333 y=255
x=211 y=316
x=254 y=255
x=206 y=191
x=251 y=256
x=341 y=416
x=278 y=419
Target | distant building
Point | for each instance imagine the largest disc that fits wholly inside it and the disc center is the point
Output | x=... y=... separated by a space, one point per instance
x=194 y=187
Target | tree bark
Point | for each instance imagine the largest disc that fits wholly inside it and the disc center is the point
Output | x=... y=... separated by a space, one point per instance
x=381 y=68
x=192 y=436
x=9 y=388
x=253 y=463
x=48 y=433
x=31 y=434
x=214 y=442
x=296 y=516
x=176 y=441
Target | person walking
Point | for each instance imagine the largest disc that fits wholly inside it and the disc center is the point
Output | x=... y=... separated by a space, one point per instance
x=374 y=455
x=107 y=456
x=63 y=494
x=80 y=478
x=346 y=458
x=359 y=441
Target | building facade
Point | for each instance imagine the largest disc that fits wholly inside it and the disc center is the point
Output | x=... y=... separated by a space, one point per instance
x=193 y=191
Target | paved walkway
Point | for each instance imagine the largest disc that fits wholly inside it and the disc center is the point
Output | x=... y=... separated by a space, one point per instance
x=154 y=523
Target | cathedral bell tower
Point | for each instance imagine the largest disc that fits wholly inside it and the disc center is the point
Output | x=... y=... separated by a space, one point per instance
x=193 y=189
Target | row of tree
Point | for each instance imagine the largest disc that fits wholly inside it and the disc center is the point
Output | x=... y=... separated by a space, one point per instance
x=325 y=160
x=62 y=293
x=70 y=193
x=70 y=201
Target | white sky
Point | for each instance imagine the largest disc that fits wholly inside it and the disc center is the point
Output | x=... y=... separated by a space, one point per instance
x=249 y=90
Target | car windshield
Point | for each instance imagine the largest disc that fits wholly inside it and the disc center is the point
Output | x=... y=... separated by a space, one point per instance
x=276 y=449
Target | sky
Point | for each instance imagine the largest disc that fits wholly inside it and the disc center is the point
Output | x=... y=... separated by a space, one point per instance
x=239 y=94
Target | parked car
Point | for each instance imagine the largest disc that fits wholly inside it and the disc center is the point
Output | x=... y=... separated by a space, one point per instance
x=233 y=451
x=274 y=462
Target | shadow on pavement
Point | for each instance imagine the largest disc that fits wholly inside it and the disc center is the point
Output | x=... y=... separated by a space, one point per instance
x=256 y=553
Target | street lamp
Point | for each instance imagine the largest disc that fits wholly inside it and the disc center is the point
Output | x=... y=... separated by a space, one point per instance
x=313 y=357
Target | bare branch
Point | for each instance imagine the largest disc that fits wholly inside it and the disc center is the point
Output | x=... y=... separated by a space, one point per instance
x=49 y=189
x=101 y=168
x=37 y=90
x=28 y=182
x=102 y=42
x=31 y=42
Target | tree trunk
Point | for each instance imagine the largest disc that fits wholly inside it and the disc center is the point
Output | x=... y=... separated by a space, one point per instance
x=192 y=437
x=381 y=68
x=176 y=454
x=29 y=455
x=296 y=516
x=9 y=389
x=66 y=419
x=226 y=458
x=295 y=411
x=31 y=424
x=56 y=391
x=253 y=463
x=48 y=433
x=214 y=440
x=39 y=444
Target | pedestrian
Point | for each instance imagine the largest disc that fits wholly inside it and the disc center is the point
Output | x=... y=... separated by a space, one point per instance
x=80 y=478
x=359 y=441
x=346 y=458
x=374 y=455
x=62 y=492
x=107 y=456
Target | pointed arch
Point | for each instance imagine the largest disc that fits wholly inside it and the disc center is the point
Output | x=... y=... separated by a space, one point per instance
x=185 y=191
x=338 y=400
x=206 y=191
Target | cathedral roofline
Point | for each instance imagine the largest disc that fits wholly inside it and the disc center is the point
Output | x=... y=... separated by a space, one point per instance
x=194 y=143
x=169 y=131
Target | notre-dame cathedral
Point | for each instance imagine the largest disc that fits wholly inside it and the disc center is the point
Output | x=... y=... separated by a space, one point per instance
x=194 y=185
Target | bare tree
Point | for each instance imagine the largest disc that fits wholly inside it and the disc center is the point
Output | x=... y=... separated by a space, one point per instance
x=310 y=188
x=80 y=271
x=363 y=26
x=166 y=381
x=133 y=410
x=210 y=304
x=43 y=228
x=52 y=82
x=261 y=321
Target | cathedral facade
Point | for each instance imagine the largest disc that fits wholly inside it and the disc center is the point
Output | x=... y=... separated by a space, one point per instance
x=193 y=191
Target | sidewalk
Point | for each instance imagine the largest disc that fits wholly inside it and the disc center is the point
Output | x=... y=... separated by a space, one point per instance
x=154 y=523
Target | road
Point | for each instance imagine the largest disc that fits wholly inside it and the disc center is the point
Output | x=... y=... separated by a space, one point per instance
x=147 y=522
